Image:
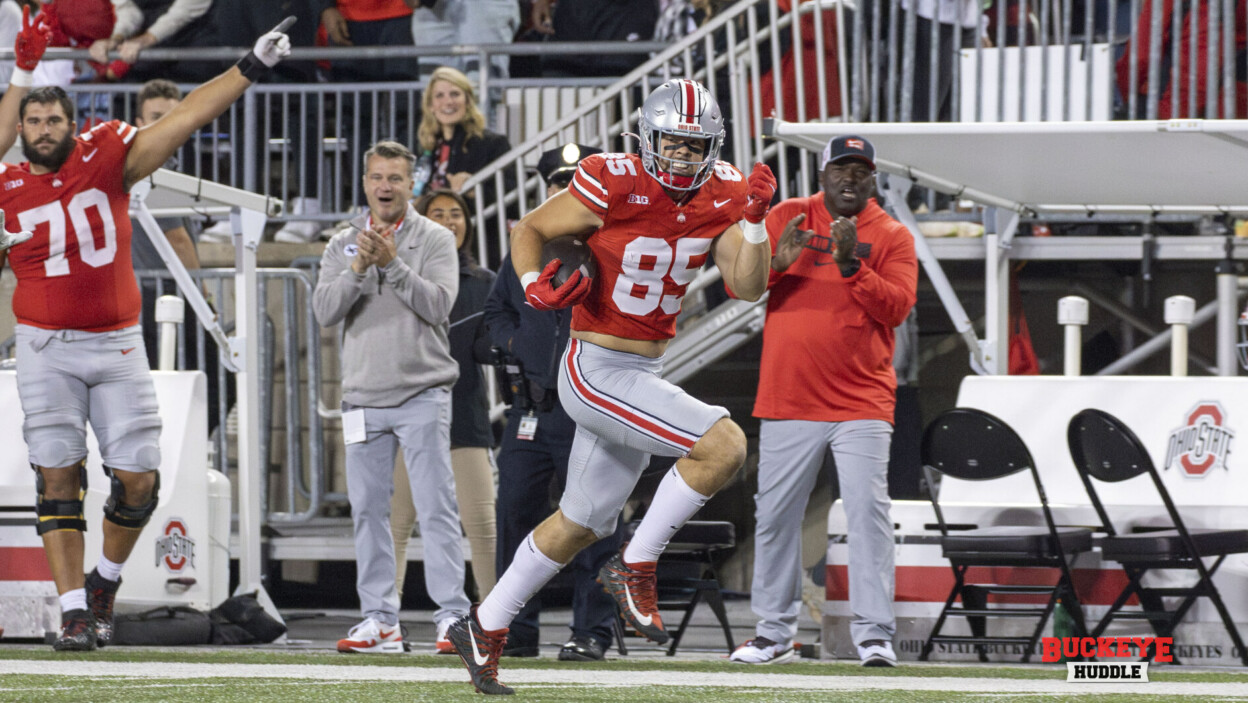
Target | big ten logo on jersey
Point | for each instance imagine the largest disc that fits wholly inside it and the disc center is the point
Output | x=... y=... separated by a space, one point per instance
x=175 y=549
x=648 y=263
x=93 y=253
x=15 y=183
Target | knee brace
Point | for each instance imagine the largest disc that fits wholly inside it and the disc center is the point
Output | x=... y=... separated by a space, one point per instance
x=60 y=514
x=129 y=516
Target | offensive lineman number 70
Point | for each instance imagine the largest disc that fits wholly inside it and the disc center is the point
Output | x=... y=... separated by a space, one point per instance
x=53 y=214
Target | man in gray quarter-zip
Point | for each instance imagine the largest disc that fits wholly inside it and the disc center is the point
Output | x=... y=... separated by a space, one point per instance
x=390 y=277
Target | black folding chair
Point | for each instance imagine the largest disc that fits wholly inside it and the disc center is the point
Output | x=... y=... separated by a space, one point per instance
x=1104 y=448
x=686 y=576
x=973 y=445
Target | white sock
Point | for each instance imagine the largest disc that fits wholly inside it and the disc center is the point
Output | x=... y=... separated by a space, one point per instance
x=674 y=503
x=74 y=600
x=529 y=571
x=110 y=570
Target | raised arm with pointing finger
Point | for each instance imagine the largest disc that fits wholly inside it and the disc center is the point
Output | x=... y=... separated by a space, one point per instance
x=157 y=142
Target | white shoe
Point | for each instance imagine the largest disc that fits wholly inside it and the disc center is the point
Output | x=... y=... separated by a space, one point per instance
x=301 y=231
x=372 y=636
x=877 y=653
x=219 y=233
x=761 y=650
x=443 y=644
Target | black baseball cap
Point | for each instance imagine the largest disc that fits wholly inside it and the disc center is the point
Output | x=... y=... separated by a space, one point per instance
x=849 y=146
x=560 y=163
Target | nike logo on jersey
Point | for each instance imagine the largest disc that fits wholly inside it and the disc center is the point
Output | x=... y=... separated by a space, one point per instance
x=632 y=608
x=127 y=351
x=88 y=157
x=476 y=653
x=721 y=203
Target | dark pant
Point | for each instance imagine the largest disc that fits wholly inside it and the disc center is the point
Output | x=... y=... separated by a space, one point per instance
x=526 y=472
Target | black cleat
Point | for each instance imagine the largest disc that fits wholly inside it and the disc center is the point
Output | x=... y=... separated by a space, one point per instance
x=634 y=591
x=101 y=593
x=581 y=649
x=479 y=649
x=77 y=632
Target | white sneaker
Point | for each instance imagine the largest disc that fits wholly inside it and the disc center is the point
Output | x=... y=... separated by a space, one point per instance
x=301 y=231
x=372 y=636
x=877 y=653
x=761 y=650
x=219 y=233
x=443 y=644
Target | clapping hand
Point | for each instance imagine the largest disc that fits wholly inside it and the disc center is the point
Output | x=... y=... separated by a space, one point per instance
x=792 y=241
x=845 y=233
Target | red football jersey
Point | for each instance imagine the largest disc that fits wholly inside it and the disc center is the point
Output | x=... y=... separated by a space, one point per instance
x=649 y=249
x=75 y=273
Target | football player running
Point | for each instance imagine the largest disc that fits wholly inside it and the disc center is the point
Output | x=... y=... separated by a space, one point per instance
x=650 y=219
x=80 y=353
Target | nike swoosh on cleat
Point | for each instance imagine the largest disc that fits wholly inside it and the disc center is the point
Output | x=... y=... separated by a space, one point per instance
x=643 y=619
x=476 y=653
x=719 y=203
x=384 y=634
x=127 y=351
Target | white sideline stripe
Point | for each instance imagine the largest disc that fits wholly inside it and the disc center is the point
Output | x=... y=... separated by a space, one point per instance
x=168 y=670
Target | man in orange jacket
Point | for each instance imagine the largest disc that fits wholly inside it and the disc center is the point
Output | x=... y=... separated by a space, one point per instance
x=827 y=385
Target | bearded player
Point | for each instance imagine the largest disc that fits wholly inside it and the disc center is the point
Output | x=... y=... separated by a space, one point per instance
x=80 y=354
x=650 y=220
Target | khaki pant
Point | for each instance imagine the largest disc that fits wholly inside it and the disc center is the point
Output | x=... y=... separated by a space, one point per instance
x=474 y=491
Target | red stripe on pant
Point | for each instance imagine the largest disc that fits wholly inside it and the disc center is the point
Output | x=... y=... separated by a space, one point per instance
x=623 y=413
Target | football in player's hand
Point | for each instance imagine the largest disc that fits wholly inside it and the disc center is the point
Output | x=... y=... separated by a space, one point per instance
x=573 y=254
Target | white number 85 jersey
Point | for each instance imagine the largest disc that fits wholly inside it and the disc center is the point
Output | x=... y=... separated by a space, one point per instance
x=649 y=249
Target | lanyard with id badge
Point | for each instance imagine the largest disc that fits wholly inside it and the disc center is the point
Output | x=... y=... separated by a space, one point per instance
x=528 y=427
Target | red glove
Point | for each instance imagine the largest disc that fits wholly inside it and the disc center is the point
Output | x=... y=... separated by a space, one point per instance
x=542 y=294
x=762 y=185
x=32 y=41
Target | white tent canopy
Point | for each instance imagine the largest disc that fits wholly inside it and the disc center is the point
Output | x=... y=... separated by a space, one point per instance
x=1193 y=166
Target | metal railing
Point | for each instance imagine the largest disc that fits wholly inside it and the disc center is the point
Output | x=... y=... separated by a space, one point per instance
x=855 y=61
x=290 y=365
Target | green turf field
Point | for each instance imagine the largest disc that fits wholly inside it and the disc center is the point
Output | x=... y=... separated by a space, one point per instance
x=137 y=675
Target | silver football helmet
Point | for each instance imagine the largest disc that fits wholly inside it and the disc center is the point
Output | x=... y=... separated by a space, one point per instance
x=680 y=107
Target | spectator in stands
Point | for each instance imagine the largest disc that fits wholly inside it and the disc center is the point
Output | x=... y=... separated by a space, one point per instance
x=306 y=158
x=594 y=21
x=447 y=22
x=391 y=277
x=533 y=461
x=454 y=142
x=142 y=24
x=154 y=100
x=472 y=438
x=959 y=21
x=1192 y=25
x=370 y=23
